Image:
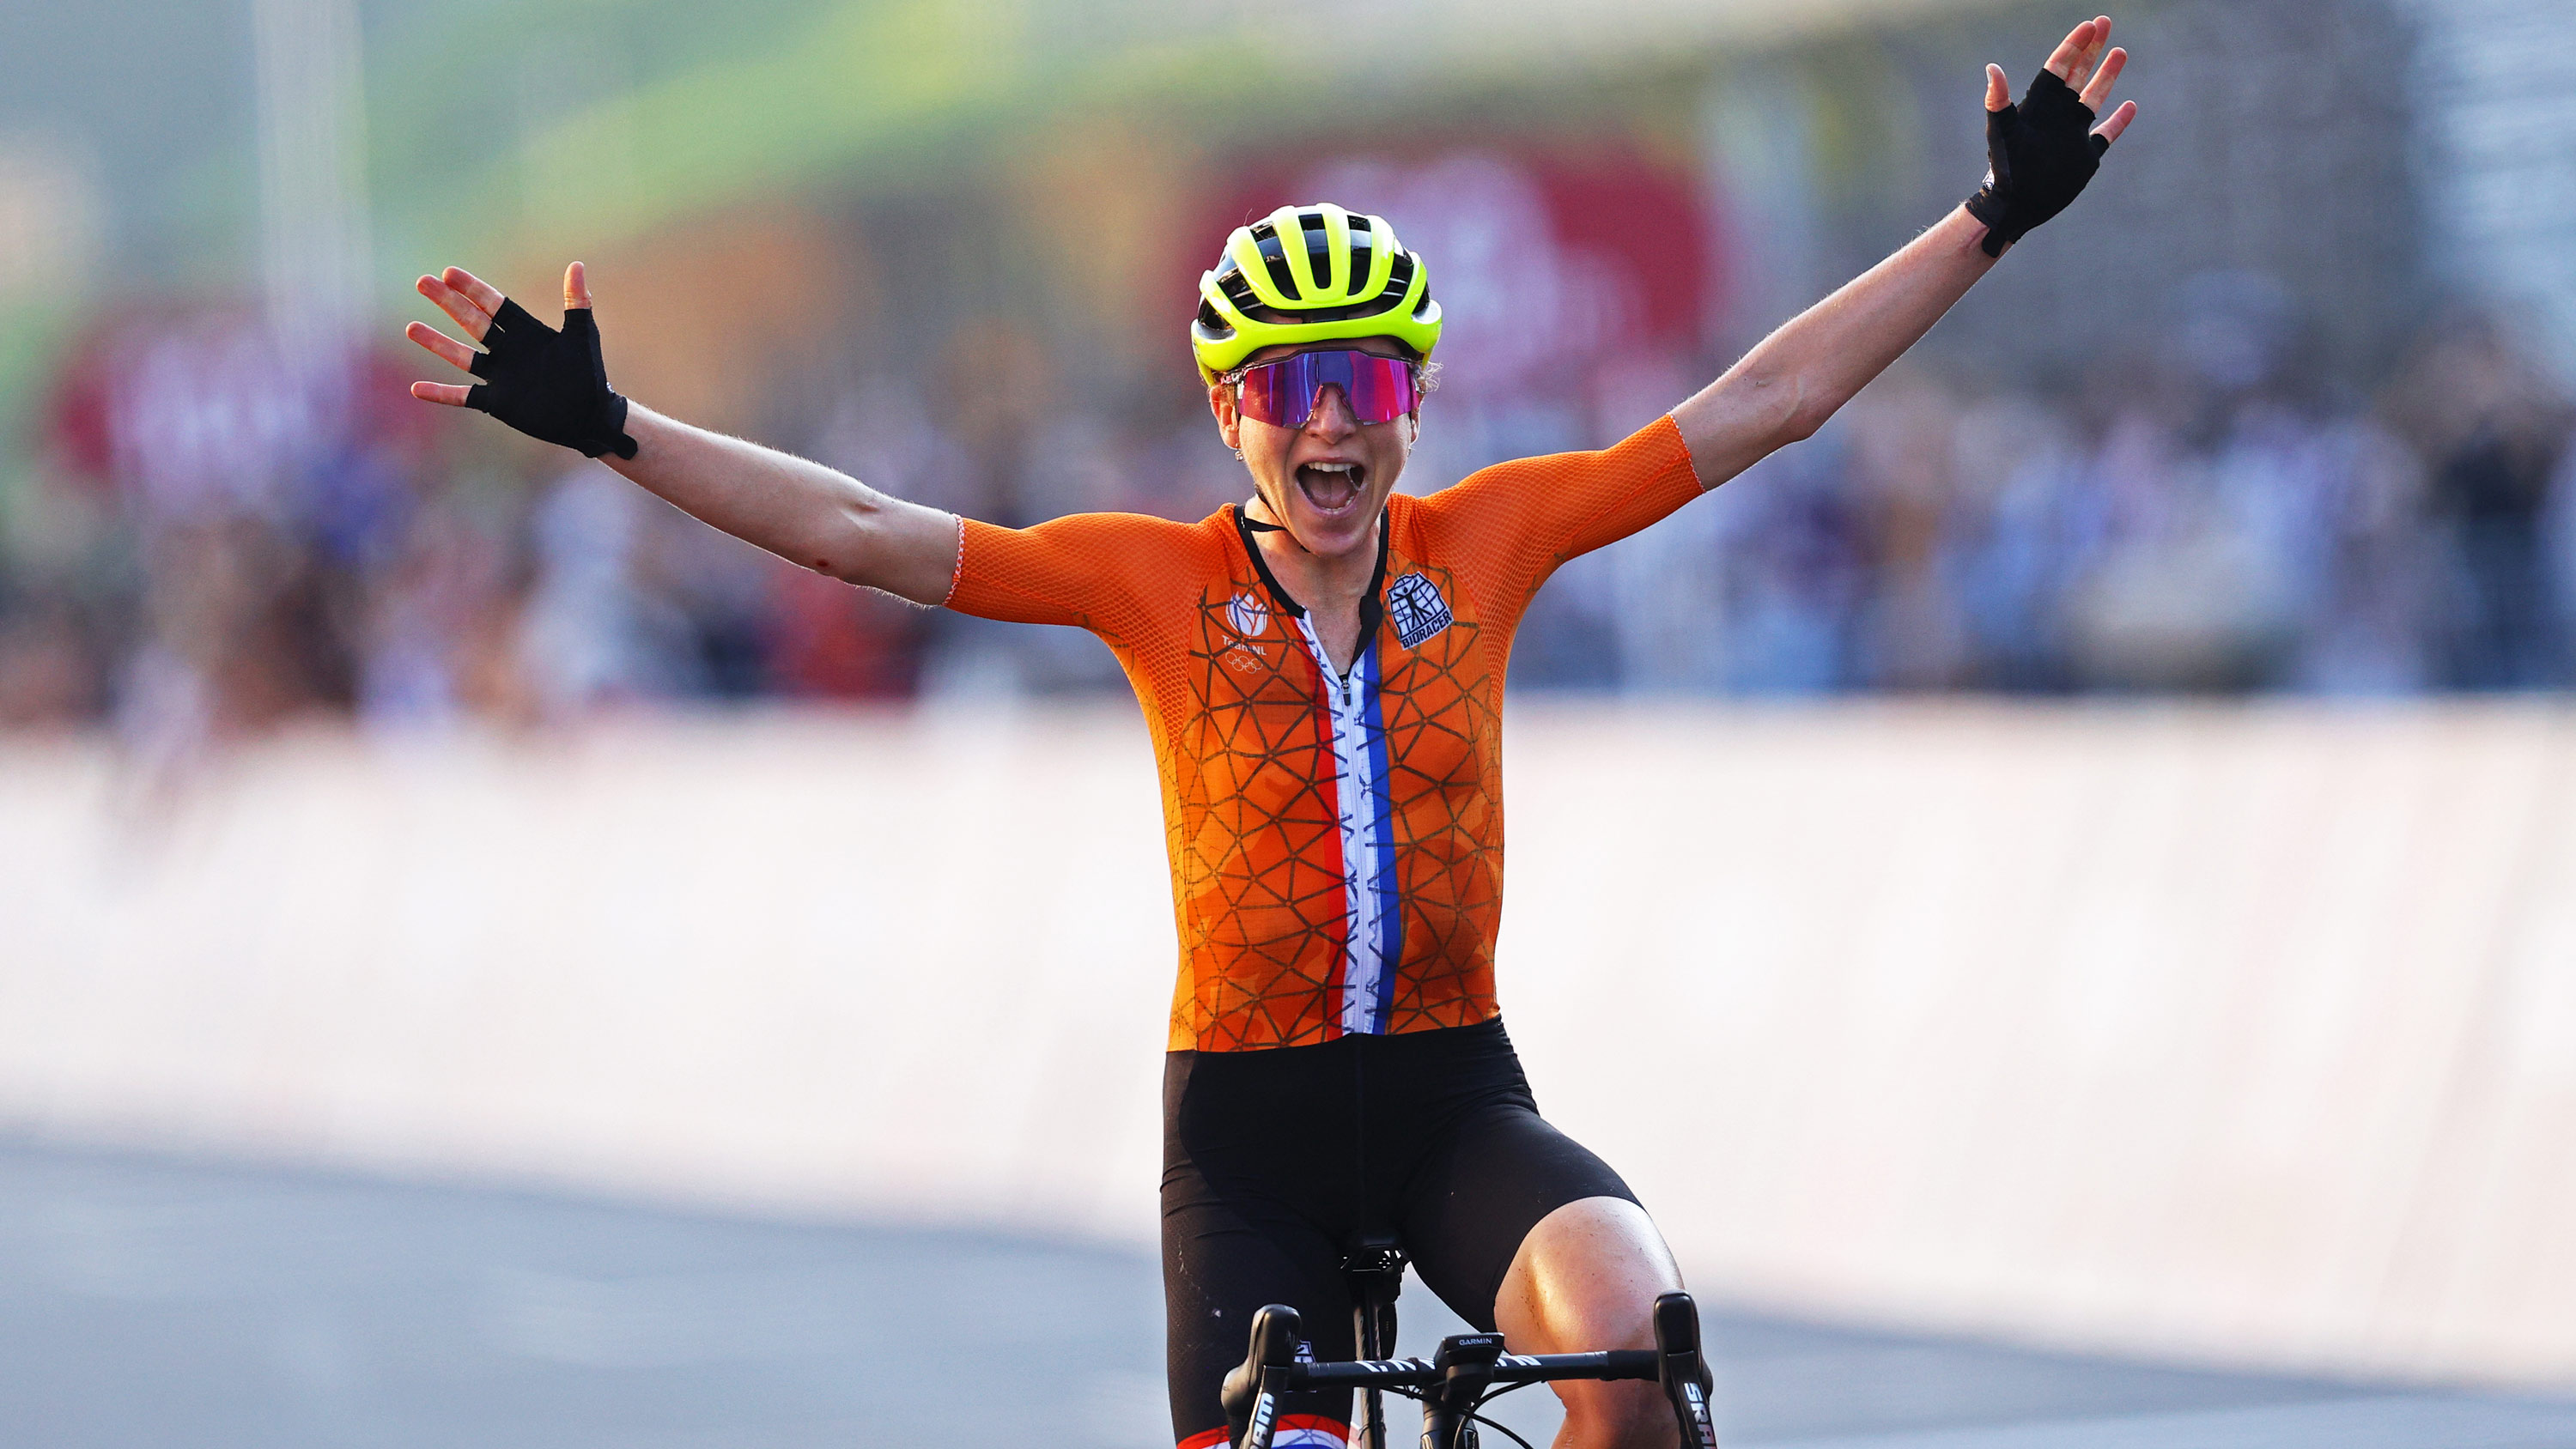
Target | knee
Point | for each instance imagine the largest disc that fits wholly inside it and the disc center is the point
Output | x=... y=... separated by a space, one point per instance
x=1617 y=1416
x=1586 y=1278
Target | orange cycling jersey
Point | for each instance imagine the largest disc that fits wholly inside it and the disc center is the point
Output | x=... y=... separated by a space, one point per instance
x=1336 y=841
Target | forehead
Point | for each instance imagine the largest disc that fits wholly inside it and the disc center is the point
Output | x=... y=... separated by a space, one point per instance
x=1379 y=346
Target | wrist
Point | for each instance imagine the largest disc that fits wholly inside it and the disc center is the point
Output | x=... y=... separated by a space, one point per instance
x=643 y=427
x=1965 y=232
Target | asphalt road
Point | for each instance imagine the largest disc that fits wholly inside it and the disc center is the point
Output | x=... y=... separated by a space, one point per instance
x=178 y=1304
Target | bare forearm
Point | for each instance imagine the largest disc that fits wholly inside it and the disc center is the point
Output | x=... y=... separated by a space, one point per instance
x=1785 y=388
x=810 y=515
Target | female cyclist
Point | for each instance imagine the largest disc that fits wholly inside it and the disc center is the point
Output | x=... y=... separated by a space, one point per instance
x=1321 y=668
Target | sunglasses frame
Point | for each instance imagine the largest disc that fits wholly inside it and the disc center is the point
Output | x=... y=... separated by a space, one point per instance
x=1413 y=372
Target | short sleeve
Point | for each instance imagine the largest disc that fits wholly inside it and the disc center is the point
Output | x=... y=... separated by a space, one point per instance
x=1097 y=571
x=1513 y=524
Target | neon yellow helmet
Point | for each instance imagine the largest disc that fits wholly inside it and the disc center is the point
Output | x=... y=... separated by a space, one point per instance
x=1337 y=275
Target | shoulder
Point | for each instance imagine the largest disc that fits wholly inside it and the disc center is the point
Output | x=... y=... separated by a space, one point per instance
x=1408 y=516
x=1649 y=458
x=1108 y=533
x=1080 y=563
x=1652 y=450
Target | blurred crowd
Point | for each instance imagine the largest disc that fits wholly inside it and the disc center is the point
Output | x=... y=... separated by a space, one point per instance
x=208 y=549
x=2212 y=509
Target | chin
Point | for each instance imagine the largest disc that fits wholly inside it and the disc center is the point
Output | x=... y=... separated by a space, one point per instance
x=1336 y=533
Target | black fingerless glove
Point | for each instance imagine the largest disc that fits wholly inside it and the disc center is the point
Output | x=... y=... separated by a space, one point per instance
x=550 y=385
x=2039 y=154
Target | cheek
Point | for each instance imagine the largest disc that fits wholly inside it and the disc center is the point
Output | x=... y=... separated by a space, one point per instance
x=1265 y=440
x=1391 y=445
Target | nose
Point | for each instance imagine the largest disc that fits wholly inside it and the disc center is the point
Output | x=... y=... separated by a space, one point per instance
x=1333 y=416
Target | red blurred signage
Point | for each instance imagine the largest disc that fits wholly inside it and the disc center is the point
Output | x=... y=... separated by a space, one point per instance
x=1545 y=264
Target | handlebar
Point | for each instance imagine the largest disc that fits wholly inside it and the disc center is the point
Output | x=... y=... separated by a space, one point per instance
x=1423 y=1373
x=1467 y=1367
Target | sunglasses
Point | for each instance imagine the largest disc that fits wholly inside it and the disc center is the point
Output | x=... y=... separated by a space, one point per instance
x=1283 y=393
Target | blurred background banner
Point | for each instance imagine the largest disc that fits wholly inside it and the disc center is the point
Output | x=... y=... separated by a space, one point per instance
x=2281 y=407
x=2231 y=1037
x=2180 y=965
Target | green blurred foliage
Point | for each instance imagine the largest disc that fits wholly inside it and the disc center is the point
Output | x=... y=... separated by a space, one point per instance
x=585 y=120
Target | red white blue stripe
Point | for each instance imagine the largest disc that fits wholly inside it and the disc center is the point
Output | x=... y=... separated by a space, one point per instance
x=1352 y=717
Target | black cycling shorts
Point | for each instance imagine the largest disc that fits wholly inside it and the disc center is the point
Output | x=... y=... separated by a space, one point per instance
x=1275 y=1161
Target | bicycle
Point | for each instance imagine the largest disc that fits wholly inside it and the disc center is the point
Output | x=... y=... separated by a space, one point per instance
x=1467 y=1371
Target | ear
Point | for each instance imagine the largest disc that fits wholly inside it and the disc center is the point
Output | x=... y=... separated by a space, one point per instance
x=1229 y=423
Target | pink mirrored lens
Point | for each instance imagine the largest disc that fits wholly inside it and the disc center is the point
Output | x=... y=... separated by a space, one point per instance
x=1283 y=393
x=1380 y=388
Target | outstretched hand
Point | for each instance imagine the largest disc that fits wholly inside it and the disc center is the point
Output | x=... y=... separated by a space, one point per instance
x=2042 y=152
x=2080 y=63
x=549 y=383
x=472 y=302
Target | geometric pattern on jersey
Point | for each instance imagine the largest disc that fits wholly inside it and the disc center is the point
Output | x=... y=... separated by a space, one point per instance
x=1336 y=845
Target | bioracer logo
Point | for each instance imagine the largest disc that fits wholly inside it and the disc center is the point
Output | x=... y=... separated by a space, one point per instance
x=1414 y=606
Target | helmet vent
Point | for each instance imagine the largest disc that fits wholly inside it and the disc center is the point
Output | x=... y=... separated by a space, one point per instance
x=1274 y=258
x=1319 y=249
x=1238 y=290
x=1245 y=307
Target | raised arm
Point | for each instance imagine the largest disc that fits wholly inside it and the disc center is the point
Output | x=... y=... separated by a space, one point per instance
x=1800 y=375
x=551 y=385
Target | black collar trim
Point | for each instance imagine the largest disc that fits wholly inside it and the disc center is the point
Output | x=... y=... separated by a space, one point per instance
x=1372 y=605
x=1269 y=581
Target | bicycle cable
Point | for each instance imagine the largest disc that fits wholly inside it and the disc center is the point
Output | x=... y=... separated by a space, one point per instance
x=1473 y=1417
x=1500 y=1428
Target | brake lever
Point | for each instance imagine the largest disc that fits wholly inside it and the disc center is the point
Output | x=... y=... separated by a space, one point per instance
x=1251 y=1400
x=1683 y=1370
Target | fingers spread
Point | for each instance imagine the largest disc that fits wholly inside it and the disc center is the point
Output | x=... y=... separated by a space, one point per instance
x=2110 y=130
x=2092 y=50
x=576 y=286
x=447 y=348
x=2072 y=52
x=1998 y=90
x=479 y=291
x=475 y=320
x=447 y=394
x=2098 y=90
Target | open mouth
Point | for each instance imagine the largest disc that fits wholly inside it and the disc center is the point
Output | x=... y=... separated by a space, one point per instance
x=1332 y=487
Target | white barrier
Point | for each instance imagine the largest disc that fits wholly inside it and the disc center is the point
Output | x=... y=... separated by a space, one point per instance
x=2236 y=1034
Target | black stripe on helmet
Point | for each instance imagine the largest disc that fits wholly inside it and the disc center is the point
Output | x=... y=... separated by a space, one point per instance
x=1238 y=290
x=1274 y=258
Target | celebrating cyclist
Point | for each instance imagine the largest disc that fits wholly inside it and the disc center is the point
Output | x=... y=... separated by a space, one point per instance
x=1321 y=668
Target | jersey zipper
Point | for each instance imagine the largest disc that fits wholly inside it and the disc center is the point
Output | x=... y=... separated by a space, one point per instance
x=1356 y=786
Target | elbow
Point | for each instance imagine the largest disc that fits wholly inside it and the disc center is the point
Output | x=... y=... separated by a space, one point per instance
x=1798 y=426
x=875 y=542
x=844 y=544
x=1753 y=412
x=1809 y=405
x=1778 y=409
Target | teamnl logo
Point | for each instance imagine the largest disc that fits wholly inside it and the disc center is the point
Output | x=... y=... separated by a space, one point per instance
x=1248 y=615
x=1250 y=618
x=1414 y=606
